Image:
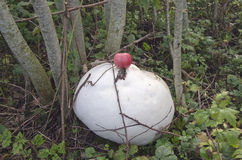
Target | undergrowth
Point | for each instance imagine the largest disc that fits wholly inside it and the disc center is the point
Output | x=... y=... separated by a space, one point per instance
x=209 y=126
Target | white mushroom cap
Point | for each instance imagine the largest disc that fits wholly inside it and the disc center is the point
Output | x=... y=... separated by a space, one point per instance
x=143 y=96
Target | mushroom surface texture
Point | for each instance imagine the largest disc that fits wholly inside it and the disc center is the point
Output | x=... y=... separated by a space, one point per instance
x=144 y=98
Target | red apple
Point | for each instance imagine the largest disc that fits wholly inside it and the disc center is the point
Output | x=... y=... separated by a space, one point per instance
x=122 y=60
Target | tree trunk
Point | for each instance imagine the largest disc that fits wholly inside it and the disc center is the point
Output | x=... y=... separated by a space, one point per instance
x=177 y=51
x=48 y=31
x=78 y=33
x=78 y=44
x=49 y=35
x=116 y=25
x=24 y=55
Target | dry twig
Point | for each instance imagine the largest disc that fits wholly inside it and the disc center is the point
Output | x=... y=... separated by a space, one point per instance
x=214 y=143
x=68 y=10
x=133 y=43
x=122 y=115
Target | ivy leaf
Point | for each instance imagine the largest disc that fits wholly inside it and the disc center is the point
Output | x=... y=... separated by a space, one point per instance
x=5 y=136
x=133 y=149
x=43 y=153
x=53 y=149
x=120 y=154
x=61 y=148
x=38 y=140
x=17 y=147
x=90 y=152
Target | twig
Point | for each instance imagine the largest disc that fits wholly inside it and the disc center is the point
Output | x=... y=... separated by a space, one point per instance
x=168 y=27
x=214 y=143
x=24 y=90
x=122 y=115
x=211 y=82
x=68 y=10
x=151 y=128
x=199 y=98
x=73 y=25
x=93 y=84
x=74 y=99
x=133 y=43
x=63 y=74
x=12 y=108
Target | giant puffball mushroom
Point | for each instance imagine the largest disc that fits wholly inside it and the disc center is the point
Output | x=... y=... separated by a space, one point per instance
x=144 y=98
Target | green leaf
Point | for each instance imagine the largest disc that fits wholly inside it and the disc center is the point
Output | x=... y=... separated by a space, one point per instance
x=90 y=152
x=131 y=38
x=231 y=118
x=100 y=45
x=140 y=158
x=165 y=152
x=201 y=116
x=53 y=149
x=237 y=153
x=43 y=153
x=19 y=138
x=36 y=31
x=99 y=55
x=61 y=148
x=194 y=88
x=133 y=149
x=5 y=136
x=119 y=155
x=38 y=140
x=17 y=147
x=232 y=137
x=26 y=153
x=110 y=153
x=221 y=100
x=156 y=3
x=146 y=46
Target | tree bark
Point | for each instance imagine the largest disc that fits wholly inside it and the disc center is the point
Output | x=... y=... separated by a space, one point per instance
x=24 y=55
x=78 y=44
x=48 y=31
x=116 y=25
x=52 y=45
x=177 y=51
x=78 y=33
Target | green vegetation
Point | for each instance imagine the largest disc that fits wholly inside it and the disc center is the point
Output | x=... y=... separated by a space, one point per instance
x=209 y=125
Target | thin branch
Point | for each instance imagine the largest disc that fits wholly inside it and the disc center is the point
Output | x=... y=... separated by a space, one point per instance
x=68 y=10
x=93 y=84
x=168 y=27
x=151 y=128
x=133 y=43
x=122 y=115
x=214 y=143
x=63 y=74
